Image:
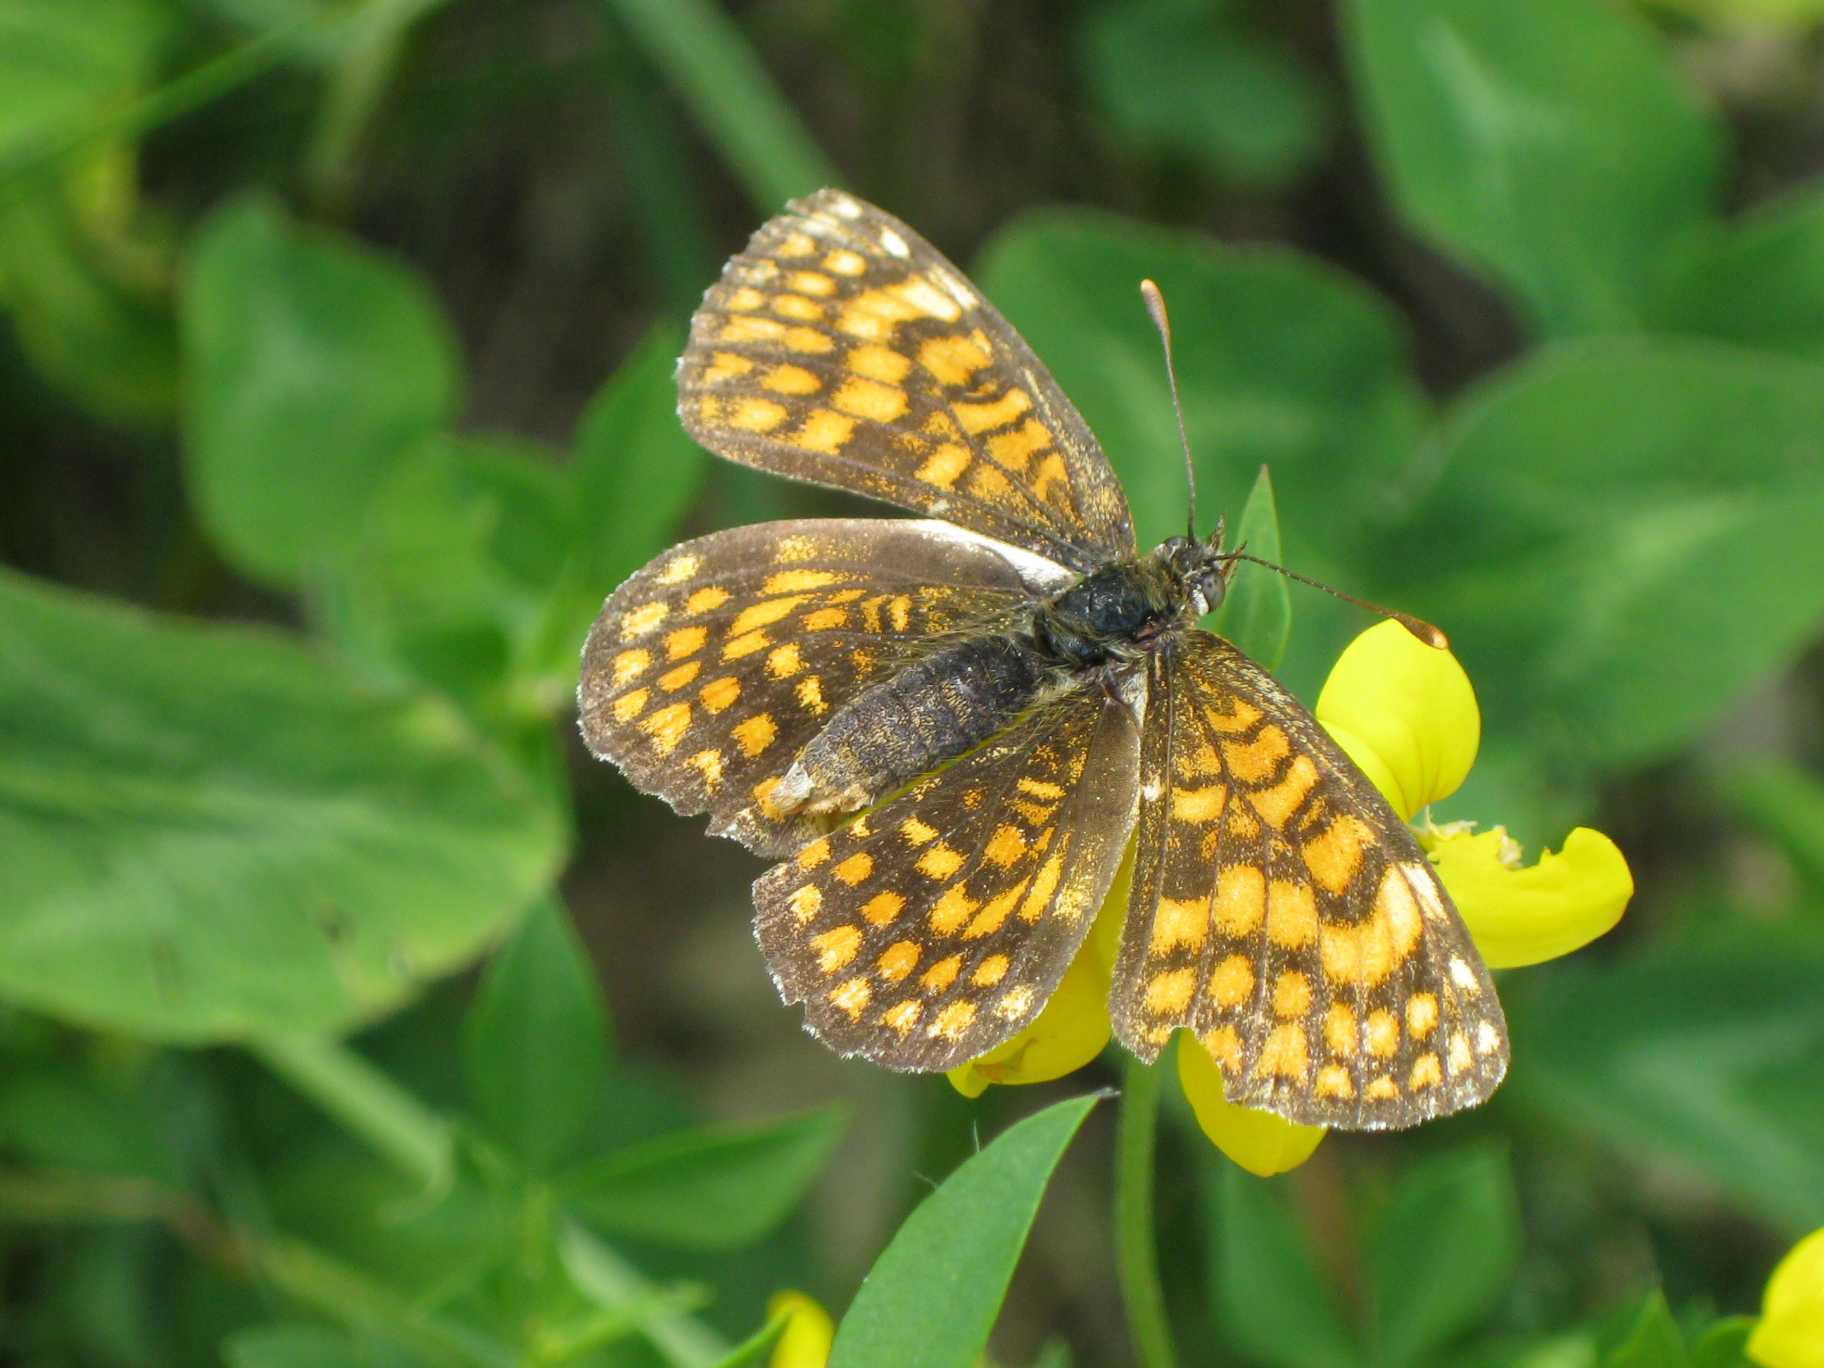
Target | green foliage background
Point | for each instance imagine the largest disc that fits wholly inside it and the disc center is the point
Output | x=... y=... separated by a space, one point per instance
x=335 y=393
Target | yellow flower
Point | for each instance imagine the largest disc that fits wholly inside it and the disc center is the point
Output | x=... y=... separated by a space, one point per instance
x=1791 y=1329
x=1405 y=713
x=808 y=1332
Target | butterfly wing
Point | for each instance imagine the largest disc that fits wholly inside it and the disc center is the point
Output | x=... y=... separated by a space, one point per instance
x=932 y=928
x=1284 y=914
x=710 y=668
x=843 y=349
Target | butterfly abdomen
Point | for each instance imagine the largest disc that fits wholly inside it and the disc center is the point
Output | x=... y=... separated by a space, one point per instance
x=937 y=708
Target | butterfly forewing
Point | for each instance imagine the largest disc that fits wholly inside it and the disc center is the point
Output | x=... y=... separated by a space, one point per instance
x=1285 y=915
x=708 y=670
x=936 y=926
x=843 y=349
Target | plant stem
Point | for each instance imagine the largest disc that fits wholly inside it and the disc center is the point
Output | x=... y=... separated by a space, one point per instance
x=420 y=1143
x=1136 y=1248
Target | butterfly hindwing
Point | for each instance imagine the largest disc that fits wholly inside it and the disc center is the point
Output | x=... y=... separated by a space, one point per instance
x=842 y=348
x=1283 y=914
x=934 y=927
x=709 y=669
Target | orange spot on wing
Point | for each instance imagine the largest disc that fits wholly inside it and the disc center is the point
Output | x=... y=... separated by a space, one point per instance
x=719 y=693
x=1241 y=900
x=1291 y=914
x=1335 y=854
x=755 y=734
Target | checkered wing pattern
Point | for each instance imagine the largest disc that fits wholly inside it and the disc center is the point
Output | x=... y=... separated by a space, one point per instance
x=1284 y=914
x=937 y=925
x=841 y=348
x=708 y=670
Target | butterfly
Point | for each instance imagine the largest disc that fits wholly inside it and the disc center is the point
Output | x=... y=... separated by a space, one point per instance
x=946 y=729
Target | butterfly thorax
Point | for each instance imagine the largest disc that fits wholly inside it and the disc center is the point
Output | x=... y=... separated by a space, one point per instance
x=1122 y=610
x=958 y=696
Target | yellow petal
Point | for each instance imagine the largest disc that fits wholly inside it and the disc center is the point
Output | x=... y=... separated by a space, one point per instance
x=1070 y=1031
x=1522 y=914
x=1791 y=1330
x=808 y=1332
x=1262 y=1143
x=1405 y=713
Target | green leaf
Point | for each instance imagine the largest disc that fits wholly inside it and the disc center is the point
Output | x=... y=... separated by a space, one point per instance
x=1724 y=1344
x=1759 y=281
x=757 y=1348
x=1269 y=1300
x=1551 y=144
x=636 y=469
x=215 y=831
x=1786 y=804
x=451 y=577
x=1623 y=1055
x=1442 y=1252
x=1652 y=1340
x=1180 y=80
x=1284 y=362
x=60 y=62
x=91 y=326
x=312 y=367
x=1650 y=496
x=956 y=1252
x=720 y=1187
x=299 y=1344
x=1256 y=612
x=535 y=1039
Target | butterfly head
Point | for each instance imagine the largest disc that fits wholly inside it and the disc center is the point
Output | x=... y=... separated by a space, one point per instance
x=1201 y=568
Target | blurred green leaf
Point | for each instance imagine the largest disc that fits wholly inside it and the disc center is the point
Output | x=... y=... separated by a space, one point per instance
x=1724 y=1344
x=757 y=1348
x=1256 y=611
x=636 y=470
x=720 y=1187
x=535 y=1039
x=1623 y=539
x=1187 y=81
x=213 y=831
x=1786 y=804
x=1551 y=144
x=1653 y=1339
x=745 y=114
x=70 y=1121
x=1690 y=1053
x=453 y=571
x=1269 y=1300
x=91 y=322
x=302 y=1345
x=1284 y=362
x=1442 y=1251
x=956 y=1253
x=1759 y=281
x=59 y=62
x=312 y=367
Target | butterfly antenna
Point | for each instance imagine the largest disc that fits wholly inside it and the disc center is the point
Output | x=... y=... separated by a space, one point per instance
x=1155 y=306
x=1420 y=628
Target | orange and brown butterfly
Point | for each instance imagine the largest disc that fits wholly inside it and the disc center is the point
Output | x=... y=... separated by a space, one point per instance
x=947 y=729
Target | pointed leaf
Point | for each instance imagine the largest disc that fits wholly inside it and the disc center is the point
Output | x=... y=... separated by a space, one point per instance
x=1256 y=612
x=716 y=1188
x=1652 y=1340
x=534 y=1043
x=215 y=831
x=933 y=1294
